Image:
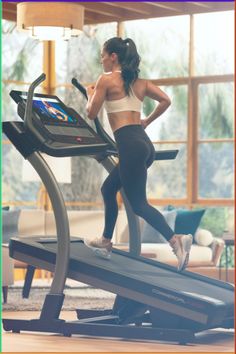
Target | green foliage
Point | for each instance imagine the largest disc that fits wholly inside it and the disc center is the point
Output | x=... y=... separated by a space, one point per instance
x=231 y=261
x=148 y=106
x=21 y=65
x=216 y=171
x=216 y=110
x=215 y=220
x=25 y=47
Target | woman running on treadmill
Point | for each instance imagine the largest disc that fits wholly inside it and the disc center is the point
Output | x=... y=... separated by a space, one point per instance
x=122 y=93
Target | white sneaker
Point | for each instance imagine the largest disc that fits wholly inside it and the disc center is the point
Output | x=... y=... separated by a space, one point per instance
x=181 y=246
x=101 y=246
x=102 y=253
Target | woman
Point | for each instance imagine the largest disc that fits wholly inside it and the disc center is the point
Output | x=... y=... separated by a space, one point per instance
x=122 y=93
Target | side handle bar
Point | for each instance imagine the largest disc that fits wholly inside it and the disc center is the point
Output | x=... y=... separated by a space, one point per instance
x=28 y=111
x=28 y=114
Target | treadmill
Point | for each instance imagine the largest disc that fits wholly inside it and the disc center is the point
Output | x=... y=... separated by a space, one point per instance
x=154 y=301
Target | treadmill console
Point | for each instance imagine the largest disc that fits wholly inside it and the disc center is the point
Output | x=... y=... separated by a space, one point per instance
x=60 y=123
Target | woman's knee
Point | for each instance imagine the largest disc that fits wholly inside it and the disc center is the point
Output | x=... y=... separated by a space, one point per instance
x=139 y=209
x=104 y=189
x=108 y=189
x=112 y=183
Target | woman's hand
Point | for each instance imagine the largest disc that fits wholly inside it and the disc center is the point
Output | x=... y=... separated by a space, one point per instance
x=96 y=96
x=144 y=123
x=90 y=90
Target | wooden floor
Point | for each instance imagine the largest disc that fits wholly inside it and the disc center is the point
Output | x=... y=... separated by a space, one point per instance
x=214 y=341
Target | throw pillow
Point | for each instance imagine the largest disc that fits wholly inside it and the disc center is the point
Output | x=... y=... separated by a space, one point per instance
x=150 y=235
x=203 y=237
x=9 y=224
x=187 y=221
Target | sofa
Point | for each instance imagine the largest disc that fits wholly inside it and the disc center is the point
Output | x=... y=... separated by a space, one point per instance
x=88 y=223
x=7 y=271
x=205 y=251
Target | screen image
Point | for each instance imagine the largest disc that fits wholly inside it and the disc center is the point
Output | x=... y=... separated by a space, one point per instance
x=50 y=109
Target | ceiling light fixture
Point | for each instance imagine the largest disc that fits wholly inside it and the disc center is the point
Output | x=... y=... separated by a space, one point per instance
x=50 y=20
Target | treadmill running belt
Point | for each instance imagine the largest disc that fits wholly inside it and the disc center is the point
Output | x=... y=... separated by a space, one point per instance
x=152 y=274
x=204 y=300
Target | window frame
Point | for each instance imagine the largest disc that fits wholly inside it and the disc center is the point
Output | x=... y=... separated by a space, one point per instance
x=192 y=142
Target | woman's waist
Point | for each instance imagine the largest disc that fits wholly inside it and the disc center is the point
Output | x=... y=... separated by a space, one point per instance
x=130 y=133
x=119 y=120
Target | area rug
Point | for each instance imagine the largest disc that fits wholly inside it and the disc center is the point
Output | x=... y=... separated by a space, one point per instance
x=76 y=296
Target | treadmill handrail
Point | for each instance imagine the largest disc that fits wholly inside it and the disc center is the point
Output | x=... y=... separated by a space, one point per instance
x=56 y=197
x=61 y=220
x=28 y=121
x=29 y=103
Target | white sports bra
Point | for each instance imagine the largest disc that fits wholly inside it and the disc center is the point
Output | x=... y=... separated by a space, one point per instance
x=127 y=103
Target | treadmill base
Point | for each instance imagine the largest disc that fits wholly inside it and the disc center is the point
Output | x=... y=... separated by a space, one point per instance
x=89 y=327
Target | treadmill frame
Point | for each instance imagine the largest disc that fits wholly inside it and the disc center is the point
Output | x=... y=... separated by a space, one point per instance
x=49 y=321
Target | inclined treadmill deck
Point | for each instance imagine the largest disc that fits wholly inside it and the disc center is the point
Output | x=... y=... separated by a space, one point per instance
x=200 y=299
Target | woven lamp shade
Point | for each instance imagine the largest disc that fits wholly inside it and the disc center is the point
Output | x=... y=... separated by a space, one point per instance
x=50 y=20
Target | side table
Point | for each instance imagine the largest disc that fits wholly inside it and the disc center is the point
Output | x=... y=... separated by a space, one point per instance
x=229 y=241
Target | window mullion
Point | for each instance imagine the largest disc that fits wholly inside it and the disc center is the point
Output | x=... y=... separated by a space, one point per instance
x=192 y=168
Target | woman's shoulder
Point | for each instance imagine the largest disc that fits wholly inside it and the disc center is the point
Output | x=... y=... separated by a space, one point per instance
x=103 y=80
x=105 y=77
x=110 y=80
x=141 y=82
x=139 y=88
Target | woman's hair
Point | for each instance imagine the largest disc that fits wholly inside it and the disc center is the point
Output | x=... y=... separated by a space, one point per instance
x=127 y=56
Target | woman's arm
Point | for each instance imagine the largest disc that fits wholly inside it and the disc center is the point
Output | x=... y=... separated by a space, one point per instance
x=96 y=96
x=156 y=94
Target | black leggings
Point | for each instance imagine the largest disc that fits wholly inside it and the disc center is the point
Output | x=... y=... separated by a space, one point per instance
x=136 y=154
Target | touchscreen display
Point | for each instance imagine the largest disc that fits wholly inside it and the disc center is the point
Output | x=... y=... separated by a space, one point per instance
x=57 y=119
x=50 y=110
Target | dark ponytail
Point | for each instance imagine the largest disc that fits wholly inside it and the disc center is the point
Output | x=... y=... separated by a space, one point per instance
x=128 y=59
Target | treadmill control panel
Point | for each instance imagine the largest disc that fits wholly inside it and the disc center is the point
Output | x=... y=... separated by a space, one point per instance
x=60 y=122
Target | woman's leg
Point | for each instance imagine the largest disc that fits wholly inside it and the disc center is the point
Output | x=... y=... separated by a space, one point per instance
x=110 y=187
x=102 y=245
x=135 y=156
x=133 y=175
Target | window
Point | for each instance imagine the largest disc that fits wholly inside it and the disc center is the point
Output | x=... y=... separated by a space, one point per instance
x=80 y=57
x=199 y=123
x=173 y=124
x=21 y=63
x=214 y=43
x=216 y=107
x=216 y=147
x=22 y=59
x=21 y=56
x=167 y=179
x=164 y=52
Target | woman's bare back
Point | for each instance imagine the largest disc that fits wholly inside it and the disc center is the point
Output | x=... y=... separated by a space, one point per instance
x=116 y=91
